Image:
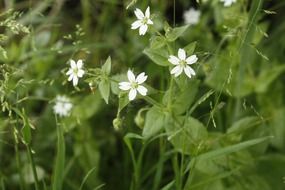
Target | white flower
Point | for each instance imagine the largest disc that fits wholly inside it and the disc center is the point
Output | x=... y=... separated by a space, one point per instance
x=182 y=63
x=75 y=71
x=142 y=22
x=62 y=106
x=228 y=3
x=191 y=16
x=134 y=85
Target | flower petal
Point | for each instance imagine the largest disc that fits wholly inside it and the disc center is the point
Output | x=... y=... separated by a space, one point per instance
x=142 y=90
x=80 y=73
x=177 y=70
x=192 y=59
x=69 y=72
x=75 y=80
x=131 y=76
x=139 y=14
x=189 y=71
x=73 y=64
x=136 y=24
x=132 y=94
x=149 y=21
x=143 y=29
x=141 y=78
x=174 y=60
x=181 y=54
x=125 y=85
x=147 y=12
x=79 y=64
x=70 y=77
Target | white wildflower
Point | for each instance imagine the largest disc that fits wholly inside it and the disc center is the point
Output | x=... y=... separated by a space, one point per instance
x=228 y=3
x=191 y=16
x=75 y=71
x=142 y=22
x=134 y=85
x=62 y=106
x=182 y=63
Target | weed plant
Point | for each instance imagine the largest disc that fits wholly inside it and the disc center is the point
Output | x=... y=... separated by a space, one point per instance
x=142 y=95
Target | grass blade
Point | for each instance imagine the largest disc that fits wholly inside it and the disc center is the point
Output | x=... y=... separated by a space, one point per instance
x=60 y=159
x=86 y=177
x=227 y=150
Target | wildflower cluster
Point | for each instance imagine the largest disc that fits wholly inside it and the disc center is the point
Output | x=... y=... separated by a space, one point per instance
x=134 y=86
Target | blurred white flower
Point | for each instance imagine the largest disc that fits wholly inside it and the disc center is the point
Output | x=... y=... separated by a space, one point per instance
x=75 y=71
x=142 y=22
x=182 y=63
x=228 y=3
x=62 y=106
x=191 y=16
x=134 y=85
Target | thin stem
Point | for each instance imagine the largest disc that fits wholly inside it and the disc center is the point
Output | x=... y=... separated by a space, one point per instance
x=22 y=184
x=32 y=98
x=153 y=102
x=138 y=169
x=31 y=159
x=170 y=94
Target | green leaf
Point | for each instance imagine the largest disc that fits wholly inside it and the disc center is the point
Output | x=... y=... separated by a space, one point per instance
x=123 y=101
x=208 y=180
x=226 y=150
x=173 y=33
x=157 y=42
x=243 y=124
x=190 y=48
x=185 y=96
x=158 y=56
x=60 y=161
x=232 y=148
x=154 y=122
x=186 y=134
x=104 y=88
x=106 y=68
x=267 y=76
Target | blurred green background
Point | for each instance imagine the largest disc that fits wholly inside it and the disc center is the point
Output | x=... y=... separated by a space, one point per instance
x=241 y=52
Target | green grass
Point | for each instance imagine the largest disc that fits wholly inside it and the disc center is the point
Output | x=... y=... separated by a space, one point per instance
x=223 y=128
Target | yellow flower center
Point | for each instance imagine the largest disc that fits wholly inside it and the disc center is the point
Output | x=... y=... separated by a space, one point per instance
x=144 y=20
x=75 y=70
x=134 y=85
x=183 y=63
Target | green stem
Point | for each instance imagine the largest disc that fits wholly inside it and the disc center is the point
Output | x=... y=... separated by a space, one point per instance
x=60 y=159
x=31 y=159
x=22 y=184
x=153 y=102
x=170 y=94
x=159 y=170
x=138 y=169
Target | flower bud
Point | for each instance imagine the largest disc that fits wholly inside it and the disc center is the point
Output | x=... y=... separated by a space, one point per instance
x=140 y=118
x=117 y=123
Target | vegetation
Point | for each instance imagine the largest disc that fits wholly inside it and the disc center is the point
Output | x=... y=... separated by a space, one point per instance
x=139 y=95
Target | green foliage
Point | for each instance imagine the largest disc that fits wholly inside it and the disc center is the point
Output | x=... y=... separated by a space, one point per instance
x=172 y=34
x=154 y=122
x=58 y=175
x=223 y=128
x=104 y=84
